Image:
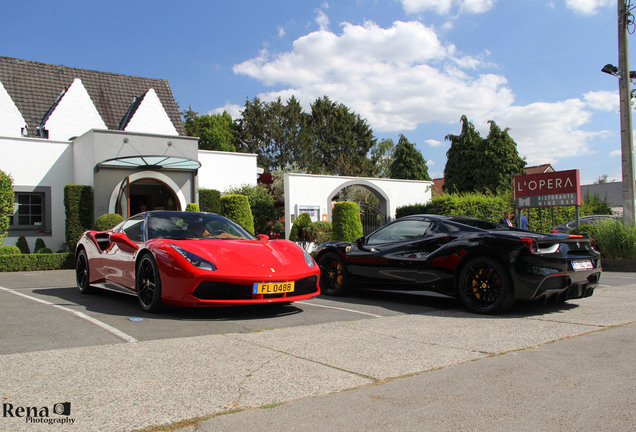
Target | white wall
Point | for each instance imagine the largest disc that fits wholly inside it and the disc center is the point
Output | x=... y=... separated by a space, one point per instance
x=308 y=190
x=222 y=170
x=150 y=117
x=34 y=162
x=74 y=114
x=12 y=120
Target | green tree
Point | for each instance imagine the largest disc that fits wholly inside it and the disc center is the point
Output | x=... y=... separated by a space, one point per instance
x=475 y=164
x=6 y=203
x=459 y=172
x=381 y=156
x=408 y=163
x=215 y=131
x=342 y=140
x=498 y=162
x=252 y=130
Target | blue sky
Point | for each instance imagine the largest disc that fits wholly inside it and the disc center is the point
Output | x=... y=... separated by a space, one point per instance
x=407 y=66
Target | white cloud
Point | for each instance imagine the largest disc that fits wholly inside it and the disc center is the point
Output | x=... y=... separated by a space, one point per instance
x=404 y=76
x=322 y=20
x=546 y=132
x=589 y=7
x=232 y=109
x=616 y=153
x=434 y=143
x=443 y=7
x=603 y=100
x=281 y=31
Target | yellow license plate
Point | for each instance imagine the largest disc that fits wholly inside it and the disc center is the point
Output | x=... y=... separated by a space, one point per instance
x=273 y=288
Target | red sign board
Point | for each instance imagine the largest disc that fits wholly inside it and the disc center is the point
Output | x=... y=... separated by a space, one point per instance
x=552 y=189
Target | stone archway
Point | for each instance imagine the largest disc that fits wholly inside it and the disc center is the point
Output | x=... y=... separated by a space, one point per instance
x=313 y=193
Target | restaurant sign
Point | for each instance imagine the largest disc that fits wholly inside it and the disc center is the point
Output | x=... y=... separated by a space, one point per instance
x=552 y=189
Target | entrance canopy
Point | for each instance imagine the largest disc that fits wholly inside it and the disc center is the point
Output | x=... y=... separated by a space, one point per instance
x=151 y=162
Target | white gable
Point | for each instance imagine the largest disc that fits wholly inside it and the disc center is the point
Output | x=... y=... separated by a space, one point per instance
x=150 y=117
x=74 y=114
x=12 y=120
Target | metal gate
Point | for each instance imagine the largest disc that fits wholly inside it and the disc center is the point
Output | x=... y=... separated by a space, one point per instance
x=371 y=217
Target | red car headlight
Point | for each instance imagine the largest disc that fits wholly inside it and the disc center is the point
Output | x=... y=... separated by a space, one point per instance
x=194 y=259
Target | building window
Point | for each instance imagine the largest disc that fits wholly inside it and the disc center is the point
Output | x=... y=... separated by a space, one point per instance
x=29 y=211
x=32 y=211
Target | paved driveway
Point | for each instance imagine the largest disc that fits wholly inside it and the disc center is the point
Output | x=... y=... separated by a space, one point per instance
x=408 y=362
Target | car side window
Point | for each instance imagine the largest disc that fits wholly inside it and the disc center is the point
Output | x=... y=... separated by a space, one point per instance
x=399 y=231
x=134 y=229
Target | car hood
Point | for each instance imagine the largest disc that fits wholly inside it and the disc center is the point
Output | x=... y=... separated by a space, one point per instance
x=251 y=256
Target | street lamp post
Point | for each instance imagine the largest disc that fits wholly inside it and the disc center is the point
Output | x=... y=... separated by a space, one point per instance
x=627 y=144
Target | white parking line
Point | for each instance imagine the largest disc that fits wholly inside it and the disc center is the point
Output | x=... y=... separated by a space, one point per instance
x=339 y=308
x=82 y=315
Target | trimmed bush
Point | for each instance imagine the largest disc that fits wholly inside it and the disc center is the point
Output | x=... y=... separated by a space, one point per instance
x=299 y=230
x=237 y=209
x=10 y=250
x=7 y=198
x=41 y=261
x=44 y=250
x=192 y=207
x=347 y=225
x=210 y=200
x=320 y=232
x=23 y=245
x=78 y=204
x=108 y=221
x=39 y=245
x=261 y=203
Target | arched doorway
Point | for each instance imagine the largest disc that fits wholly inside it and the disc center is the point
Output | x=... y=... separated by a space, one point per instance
x=371 y=203
x=153 y=190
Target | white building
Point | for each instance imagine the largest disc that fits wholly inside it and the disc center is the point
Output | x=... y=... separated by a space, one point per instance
x=122 y=135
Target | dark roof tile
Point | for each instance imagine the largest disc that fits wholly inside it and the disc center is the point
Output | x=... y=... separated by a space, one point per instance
x=34 y=88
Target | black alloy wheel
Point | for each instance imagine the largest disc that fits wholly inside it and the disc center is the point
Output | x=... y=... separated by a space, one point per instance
x=148 y=284
x=82 y=273
x=333 y=275
x=485 y=286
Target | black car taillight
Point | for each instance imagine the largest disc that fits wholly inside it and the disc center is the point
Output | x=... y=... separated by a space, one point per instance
x=531 y=244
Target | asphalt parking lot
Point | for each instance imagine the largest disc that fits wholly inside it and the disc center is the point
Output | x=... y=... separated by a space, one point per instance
x=406 y=361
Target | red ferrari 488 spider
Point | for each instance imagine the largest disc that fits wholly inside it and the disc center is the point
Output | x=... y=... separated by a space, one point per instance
x=193 y=259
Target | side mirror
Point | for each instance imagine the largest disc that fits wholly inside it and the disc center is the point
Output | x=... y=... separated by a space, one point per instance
x=360 y=242
x=123 y=241
x=264 y=238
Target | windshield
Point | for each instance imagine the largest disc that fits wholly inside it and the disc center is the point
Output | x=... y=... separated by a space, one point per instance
x=192 y=225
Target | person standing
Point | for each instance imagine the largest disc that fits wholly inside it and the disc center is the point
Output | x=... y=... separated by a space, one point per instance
x=523 y=221
x=506 y=219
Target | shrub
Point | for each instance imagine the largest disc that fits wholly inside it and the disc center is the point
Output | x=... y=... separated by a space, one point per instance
x=613 y=239
x=10 y=250
x=44 y=250
x=320 y=232
x=237 y=209
x=299 y=230
x=210 y=200
x=6 y=202
x=192 y=207
x=347 y=225
x=22 y=262
x=78 y=205
x=39 y=245
x=23 y=245
x=108 y=221
x=278 y=229
x=261 y=203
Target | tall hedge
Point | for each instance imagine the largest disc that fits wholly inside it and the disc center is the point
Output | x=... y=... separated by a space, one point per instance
x=210 y=200
x=78 y=204
x=6 y=203
x=346 y=222
x=237 y=209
